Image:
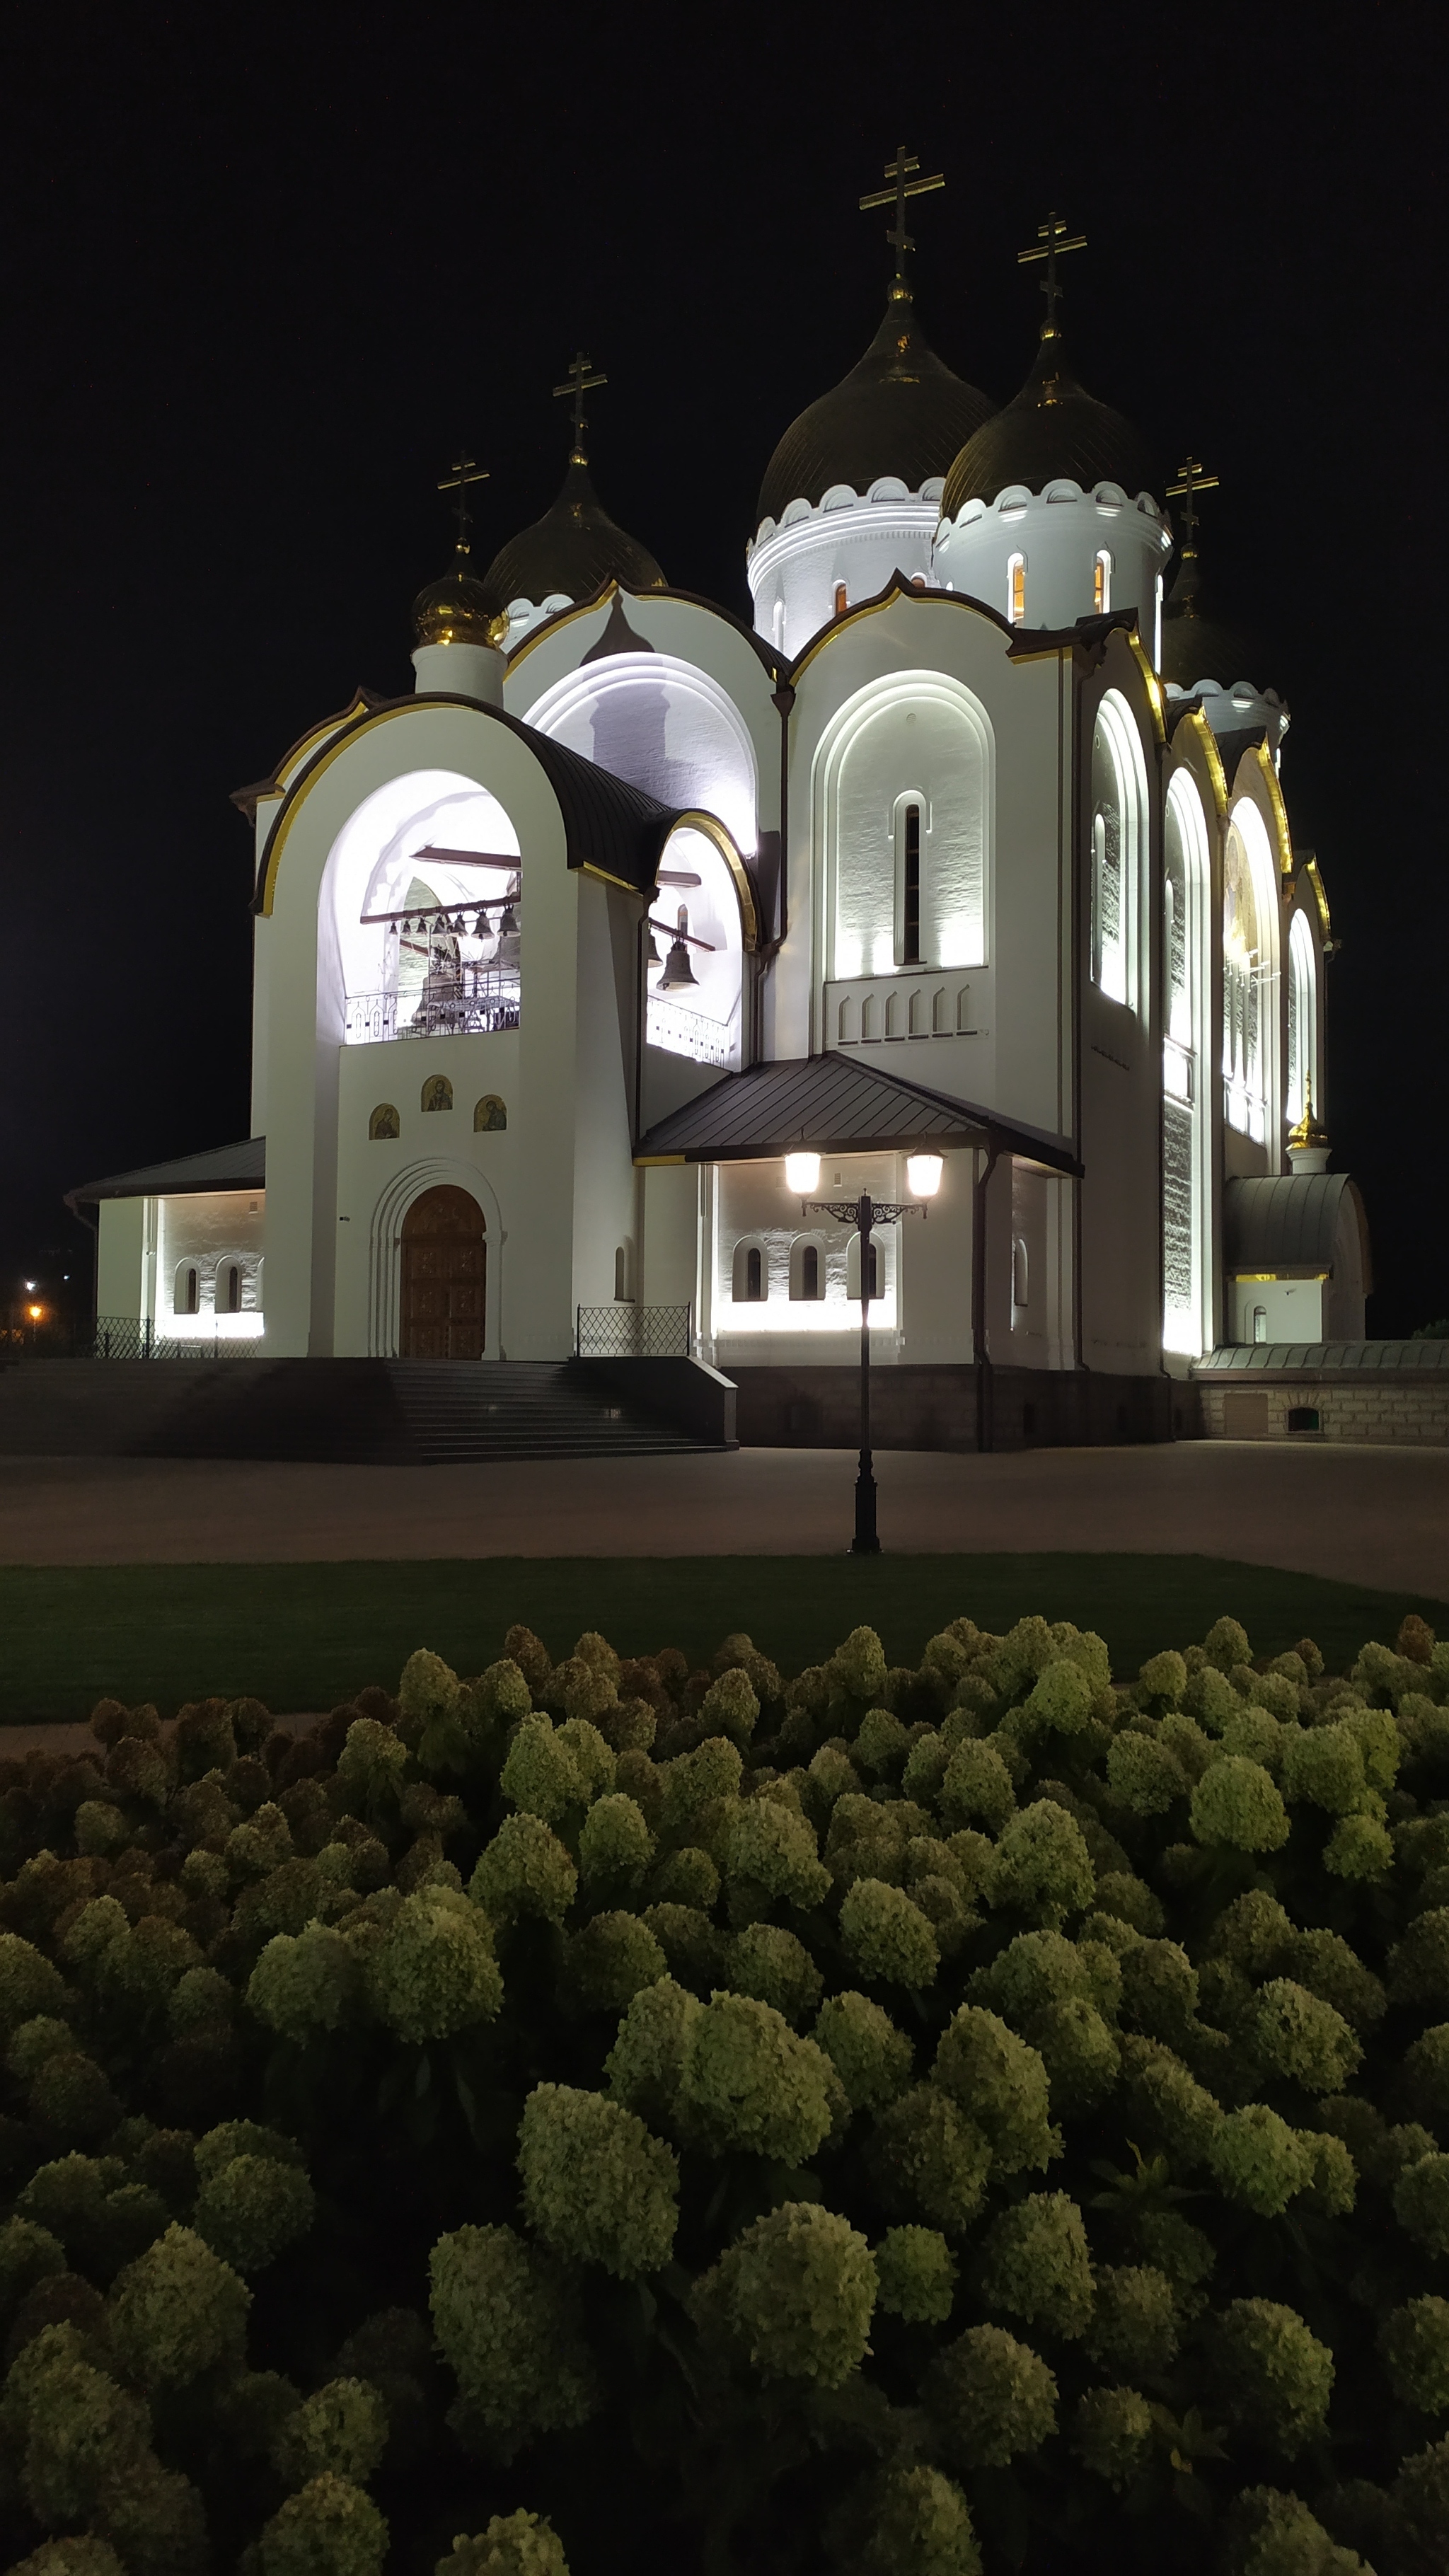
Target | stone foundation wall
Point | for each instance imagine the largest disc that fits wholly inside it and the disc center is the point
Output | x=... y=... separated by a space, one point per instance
x=935 y=1408
x=1351 y=1405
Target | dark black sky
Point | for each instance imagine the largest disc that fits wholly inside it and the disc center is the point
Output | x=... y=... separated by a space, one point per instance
x=262 y=270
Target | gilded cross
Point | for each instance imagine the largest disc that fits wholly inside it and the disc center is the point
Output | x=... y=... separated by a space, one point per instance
x=904 y=183
x=1052 y=240
x=466 y=471
x=1186 y=489
x=581 y=380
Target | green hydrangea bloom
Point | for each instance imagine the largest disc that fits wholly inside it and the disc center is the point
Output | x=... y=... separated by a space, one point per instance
x=1112 y=2433
x=1000 y=2082
x=867 y=1839
x=501 y=1694
x=748 y=2081
x=1323 y=1765
x=1333 y=2184
x=436 y=1712
x=341 y=2428
x=1419 y=1963
x=201 y=2000
x=1035 y=2264
x=1273 y=2534
x=591 y=1754
x=1159 y=1990
x=646 y=2063
x=1165 y=2104
x=1144 y=1772
x=908 y=2518
x=83 y=2433
x=730 y=1707
x=925 y=1769
x=329 y=2528
x=1419 y=2504
x=80 y=2554
x=1328 y=1967
x=1414 y=2342
x=1179 y=2249
x=1302 y=2040
x=1041 y=1866
x=1275 y=2377
x=610 y=1960
x=507 y=2324
x=28 y=2254
x=994 y=2399
x=1421 y=2202
x=1210 y=1698
x=769 y=1963
x=1424 y=2079
x=1253 y=1933
x=830 y=1774
x=303 y=1983
x=1256 y=1734
x=881 y=1743
x=888 y=1937
x=976 y=1787
x=525 y=1870
x=1359 y=1847
x=693 y=1782
x=772 y=1848
x=252 y=2209
x=1226 y=1645
x=1080 y=2053
x=1257 y=2160
x=1236 y=1803
x=1134 y=2323
x=695 y=1950
x=596 y=2186
x=859 y=1666
x=929 y=2160
x=917 y=2274
x=29 y=1985
x=370 y=1765
x=541 y=1775
x=686 y=1877
x=514 y=2544
x=615 y=1846
x=176 y=2312
x=434 y=1971
x=798 y=2290
x=871 y=2057
x=1131 y=1900
x=1163 y=1678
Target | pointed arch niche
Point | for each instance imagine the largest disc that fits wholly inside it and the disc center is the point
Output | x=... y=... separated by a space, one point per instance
x=1303 y=1071
x=1115 y=854
x=904 y=800
x=1250 y=982
x=1186 y=1161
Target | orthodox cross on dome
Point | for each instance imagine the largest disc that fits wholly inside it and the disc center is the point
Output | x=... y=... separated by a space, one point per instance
x=581 y=380
x=466 y=471
x=1192 y=480
x=1052 y=240
x=903 y=184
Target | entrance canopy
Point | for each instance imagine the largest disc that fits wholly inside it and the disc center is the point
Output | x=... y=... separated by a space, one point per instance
x=827 y=1104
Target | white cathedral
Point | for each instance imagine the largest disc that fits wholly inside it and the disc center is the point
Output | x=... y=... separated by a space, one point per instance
x=593 y=973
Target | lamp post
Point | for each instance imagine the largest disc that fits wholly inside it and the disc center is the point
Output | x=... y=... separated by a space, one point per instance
x=923 y=1171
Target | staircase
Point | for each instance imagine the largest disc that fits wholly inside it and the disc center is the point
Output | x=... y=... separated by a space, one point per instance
x=461 y=1409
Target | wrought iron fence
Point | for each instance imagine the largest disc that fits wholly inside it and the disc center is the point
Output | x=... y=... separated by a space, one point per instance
x=479 y=1001
x=134 y=1337
x=628 y=1332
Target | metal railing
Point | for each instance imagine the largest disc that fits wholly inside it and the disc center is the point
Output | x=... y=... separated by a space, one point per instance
x=135 y=1337
x=628 y=1332
x=688 y=1033
x=480 y=1000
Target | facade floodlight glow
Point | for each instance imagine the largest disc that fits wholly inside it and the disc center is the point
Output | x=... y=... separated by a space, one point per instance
x=802 y=1173
x=923 y=1174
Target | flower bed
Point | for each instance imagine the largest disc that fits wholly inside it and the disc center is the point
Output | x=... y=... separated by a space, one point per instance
x=973 y=2118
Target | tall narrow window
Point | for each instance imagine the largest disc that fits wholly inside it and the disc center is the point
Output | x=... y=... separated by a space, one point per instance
x=1102 y=583
x=911 y=889
x=189 y=1301
x=1016 y=589
x=810 y=1270
x=1260 y=1323
x=230 y=1286
x=842 y=601
x=754 y=1272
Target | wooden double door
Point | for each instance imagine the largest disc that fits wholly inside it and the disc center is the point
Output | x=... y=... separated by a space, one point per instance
x=444 y=1277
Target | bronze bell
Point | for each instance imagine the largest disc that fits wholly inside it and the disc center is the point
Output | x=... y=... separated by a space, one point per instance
x=677 y=968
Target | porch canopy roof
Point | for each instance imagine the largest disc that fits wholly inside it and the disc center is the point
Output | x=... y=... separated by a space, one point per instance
x=221 y=1167
x=833 y=1104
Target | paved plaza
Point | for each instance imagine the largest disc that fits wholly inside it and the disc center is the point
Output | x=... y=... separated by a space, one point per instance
x=1374 y=1516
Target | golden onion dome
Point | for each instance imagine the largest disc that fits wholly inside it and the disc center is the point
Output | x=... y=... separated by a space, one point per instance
x=900 y=411
x=458 y=609
x=1053 y=430
x=1308 y=1134
x=572 y=550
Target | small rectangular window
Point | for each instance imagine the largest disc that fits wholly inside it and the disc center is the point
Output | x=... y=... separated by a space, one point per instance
x=1016 y=589
x=1102 y=584
x=1302 y=1417
x=841 y=599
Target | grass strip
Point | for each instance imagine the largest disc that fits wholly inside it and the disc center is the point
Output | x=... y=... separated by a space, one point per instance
x=306 y=1636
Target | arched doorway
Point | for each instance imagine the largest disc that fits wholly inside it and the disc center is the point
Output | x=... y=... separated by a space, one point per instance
x=444 y=1277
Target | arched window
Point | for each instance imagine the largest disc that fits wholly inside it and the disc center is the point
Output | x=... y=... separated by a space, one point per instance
x=384 y=1123
x=186 y=1294
x=1302 y=1019
x=905 y=825
x=1016 y=588
x=624 y=1272
x=1186 y=1203
x=842 y=599
x=437 y=1092
x=1114 y=852
x=1102 y=582
x=1020 y=1276
x=807 y=1271
x=489 y=1115
x=229 y=1288
x=908 y=838
x=749 y=1274
x=876 y=1278
x=1260 y=1323
x=1249 y=975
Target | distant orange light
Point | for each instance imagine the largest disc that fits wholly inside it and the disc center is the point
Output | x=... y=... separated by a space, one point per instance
x=35 y=1313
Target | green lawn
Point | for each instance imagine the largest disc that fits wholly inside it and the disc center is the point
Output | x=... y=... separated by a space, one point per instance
x=306 y=1636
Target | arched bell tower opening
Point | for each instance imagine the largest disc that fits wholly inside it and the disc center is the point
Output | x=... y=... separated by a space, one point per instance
x=444 y=1277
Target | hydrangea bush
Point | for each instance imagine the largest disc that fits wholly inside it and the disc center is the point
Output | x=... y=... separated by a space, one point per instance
x=603 y=2116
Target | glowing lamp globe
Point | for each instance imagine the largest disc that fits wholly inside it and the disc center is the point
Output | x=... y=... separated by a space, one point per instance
x=923 y=1172
x=802 y=1173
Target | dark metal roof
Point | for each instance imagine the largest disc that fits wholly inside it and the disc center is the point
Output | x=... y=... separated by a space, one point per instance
x=573 y=549
x=221 y=1167
x=899 y=411
x=833 y=1104
x=1285 y=1224
x=1053 y=429
x=1374 y=1358
x=1196 y=646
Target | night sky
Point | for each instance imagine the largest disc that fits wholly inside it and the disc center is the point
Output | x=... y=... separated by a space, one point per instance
x=263 y=272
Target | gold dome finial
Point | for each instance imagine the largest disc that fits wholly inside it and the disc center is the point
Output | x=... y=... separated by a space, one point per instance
x=460 y=609
x=1308 y=1136
x=903 y=174
x=1052 y=239
x=583 y=377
